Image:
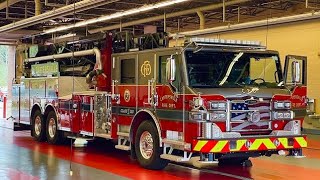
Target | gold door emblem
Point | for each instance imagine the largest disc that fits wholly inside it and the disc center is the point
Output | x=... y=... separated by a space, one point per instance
x=145 y=68
x=126 y=95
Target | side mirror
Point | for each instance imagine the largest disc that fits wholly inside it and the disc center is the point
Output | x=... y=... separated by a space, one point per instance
x=171 y=69
x=296 y=76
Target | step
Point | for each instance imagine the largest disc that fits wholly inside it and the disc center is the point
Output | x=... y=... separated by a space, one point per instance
x=82 y=138
x=106 y=136
x=123 y=134
x=123 y=147
x=173 y=158
x=173 y=142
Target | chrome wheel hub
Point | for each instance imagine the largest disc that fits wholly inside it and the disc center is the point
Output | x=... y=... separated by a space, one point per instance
x=37 y=125
x=52 y=127
x=146 y=145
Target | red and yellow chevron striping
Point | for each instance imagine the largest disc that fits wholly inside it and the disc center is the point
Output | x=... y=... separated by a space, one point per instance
x=248 y=144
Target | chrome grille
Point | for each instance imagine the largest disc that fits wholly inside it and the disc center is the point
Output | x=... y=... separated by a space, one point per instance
x=244 y=114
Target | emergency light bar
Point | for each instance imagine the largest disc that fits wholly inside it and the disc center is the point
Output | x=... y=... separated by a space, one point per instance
x=231 y=43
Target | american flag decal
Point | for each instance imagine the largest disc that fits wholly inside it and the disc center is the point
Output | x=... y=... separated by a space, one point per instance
x=239 y=120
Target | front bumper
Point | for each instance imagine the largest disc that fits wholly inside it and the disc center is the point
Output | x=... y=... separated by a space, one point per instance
x=245 y=144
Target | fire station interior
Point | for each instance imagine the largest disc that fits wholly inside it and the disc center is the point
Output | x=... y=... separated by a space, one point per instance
x=159 y=89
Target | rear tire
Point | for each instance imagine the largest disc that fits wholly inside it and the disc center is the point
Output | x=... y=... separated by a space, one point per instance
x=147 y=147
x=38 y=126
x=53 y=135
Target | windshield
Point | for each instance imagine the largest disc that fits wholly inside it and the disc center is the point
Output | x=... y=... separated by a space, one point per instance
x=232 y=69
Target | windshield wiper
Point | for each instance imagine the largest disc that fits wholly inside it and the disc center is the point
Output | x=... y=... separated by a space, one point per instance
x=230 y=68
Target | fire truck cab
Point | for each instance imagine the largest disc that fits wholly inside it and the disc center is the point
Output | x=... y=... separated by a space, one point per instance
x=209 y=101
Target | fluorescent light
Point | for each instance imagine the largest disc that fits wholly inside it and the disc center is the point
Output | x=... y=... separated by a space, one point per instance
x=66 y=36
x=115 y=15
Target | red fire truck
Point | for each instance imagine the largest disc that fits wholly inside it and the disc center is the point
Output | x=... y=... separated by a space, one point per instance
x=210 y=100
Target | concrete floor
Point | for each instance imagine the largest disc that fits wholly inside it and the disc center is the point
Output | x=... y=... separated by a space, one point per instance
x=23 y=158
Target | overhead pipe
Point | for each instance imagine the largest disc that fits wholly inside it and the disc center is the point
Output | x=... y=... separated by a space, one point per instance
x=37 y=7
x=94 y=51
x=202 y=19
x=63 y=11
x=254 y=24
x=169 y=15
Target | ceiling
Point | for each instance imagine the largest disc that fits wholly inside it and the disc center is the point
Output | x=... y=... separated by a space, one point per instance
x=243 y=11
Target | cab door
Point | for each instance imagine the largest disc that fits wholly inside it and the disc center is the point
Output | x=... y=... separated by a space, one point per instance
x=295 y=78
x=124 y=88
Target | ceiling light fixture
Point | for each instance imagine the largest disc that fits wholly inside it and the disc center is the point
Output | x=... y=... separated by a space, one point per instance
x=115 y=15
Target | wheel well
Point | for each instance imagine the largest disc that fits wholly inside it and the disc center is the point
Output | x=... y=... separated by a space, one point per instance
x=48 y=110
x=138 y=119
x=34 y=109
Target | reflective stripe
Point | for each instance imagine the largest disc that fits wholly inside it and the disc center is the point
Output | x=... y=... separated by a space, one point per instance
x=219 y=146
x=269 y=144
x=258 y=142
x=199 y=145
x=240 y=144
x=302 y=142
x=243 y=145
x=284 y=142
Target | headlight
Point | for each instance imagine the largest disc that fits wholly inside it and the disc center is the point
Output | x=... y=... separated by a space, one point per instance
x=217 y=105
x=282 y=105
x=283 y=115
x=199 y=116
x=218 y=116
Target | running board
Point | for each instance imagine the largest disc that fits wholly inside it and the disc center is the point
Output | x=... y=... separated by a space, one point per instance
x=173 y=142
x=123 y=147
x=174 y=158
x=106 y=136
x=123 y=134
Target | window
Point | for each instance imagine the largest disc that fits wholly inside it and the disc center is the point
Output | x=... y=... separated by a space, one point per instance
x=162 y=70
x=206 y=69
x=128 y=71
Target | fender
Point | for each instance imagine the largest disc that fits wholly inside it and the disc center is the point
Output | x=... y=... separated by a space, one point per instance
x=53 y=107
x=135 y=122
x=36 y=105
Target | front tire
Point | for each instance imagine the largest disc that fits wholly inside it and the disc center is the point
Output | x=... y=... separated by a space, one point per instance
x=38 y=126
x=147 y=147
x=53 y=135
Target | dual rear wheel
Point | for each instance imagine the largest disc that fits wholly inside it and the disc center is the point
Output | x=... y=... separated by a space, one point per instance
x=45 y=129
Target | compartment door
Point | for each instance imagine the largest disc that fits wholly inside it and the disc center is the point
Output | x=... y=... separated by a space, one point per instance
x=15 y=109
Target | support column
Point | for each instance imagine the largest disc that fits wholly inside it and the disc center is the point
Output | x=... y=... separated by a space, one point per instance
x=11 y=74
